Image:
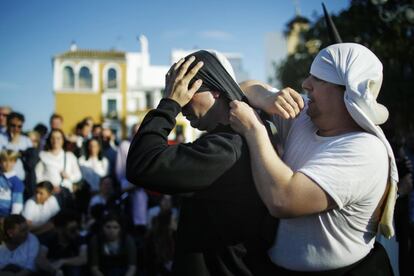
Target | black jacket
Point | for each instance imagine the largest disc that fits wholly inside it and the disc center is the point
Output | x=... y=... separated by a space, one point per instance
x=224 y=227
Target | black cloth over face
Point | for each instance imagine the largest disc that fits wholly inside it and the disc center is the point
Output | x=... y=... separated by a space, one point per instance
x=215 y=77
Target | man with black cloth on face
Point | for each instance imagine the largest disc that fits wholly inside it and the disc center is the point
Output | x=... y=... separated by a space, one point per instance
x=224 y=227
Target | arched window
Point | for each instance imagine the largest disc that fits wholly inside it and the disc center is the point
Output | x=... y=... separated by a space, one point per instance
x=112 y=81
x=68 y=77
x=85 y=78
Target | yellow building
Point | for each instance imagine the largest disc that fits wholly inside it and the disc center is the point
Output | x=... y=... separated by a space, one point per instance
x=116 y=88
x=90 y=83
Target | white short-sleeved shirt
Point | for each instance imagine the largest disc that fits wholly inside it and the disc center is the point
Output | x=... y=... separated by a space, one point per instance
x=351 y=168
x=23 y=256
x=39 y=214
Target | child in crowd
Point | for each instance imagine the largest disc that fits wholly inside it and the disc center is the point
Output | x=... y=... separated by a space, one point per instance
x=41 y=208
x=11 y=187
x=112 y=251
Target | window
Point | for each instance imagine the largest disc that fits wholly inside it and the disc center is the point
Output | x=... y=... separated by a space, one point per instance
x=85 y=78
x=112 y=113
x=68 y=77
x=112 y=81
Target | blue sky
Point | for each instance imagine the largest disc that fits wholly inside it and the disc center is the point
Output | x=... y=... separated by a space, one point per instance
x=32 y=32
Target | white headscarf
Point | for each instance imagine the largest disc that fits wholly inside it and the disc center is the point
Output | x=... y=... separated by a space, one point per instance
x=360 y=71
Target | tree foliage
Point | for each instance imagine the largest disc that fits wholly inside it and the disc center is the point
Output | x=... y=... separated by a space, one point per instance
x=392 y=42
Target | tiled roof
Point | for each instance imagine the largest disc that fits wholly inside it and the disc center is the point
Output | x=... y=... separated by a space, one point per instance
x=92 y=54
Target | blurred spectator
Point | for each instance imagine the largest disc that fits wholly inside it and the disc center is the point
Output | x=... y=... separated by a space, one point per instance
x=165 y=205
x=138 y=196
x=109 y=148
x=160 y=244
x=34 y=136
x=56 y=121
x=93 y=164
x=97 y=131
x=82 y=135
x=17 y=140
x=89 y=122
x=40 y=209
x=58 y=166
x=401 y=211
x=65 y=251
x=11 y=187
x=4 y=113
x=106 y=192
x=112 y=251
x=20 y=248
x=43 y=133
x=30 y=157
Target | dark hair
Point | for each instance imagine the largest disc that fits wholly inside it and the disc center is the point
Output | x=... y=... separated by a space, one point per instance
x=112 y=216
x=45 y=185
x=48 y=145
x=64 y=217
x=55 y=116
x=14 y=115
x=41 y=129
x=107 y=177
x=100 y=156
x=10 y=222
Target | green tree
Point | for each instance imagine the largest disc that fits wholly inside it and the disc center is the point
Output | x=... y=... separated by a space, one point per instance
x=392 y=42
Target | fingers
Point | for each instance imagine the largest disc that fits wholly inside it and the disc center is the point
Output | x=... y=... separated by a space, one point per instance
x=173 y=68
x=196 y=85
x=184 y=68
x=288 y=103
x=193 y=71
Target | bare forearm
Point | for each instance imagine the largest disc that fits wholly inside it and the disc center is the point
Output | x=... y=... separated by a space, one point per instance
x=257 y=93
x=271 y=175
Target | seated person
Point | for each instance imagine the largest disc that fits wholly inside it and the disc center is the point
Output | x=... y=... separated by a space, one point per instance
x=93 y=165
x=112 y=251
x=41 y=208
x=19 y=249
x=164 y=206
x=11 y=187
x=106 y=192
x=64 y=251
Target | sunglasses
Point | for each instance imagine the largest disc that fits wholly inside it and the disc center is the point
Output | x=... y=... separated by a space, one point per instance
x=4 y=115
x=16 y=126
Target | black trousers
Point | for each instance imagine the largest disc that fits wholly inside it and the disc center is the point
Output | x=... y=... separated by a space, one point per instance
x=376 y=263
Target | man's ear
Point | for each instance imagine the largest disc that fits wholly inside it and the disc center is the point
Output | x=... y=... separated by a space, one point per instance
x=215 y=94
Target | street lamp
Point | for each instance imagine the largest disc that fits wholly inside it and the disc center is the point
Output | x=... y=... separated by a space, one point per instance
x=404 y=10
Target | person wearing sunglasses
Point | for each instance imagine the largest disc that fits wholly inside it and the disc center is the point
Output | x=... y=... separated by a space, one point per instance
x=4 y=113
x=17 y=140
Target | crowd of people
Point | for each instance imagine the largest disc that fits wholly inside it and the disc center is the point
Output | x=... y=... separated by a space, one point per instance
x=308 y=198
x=66 y=207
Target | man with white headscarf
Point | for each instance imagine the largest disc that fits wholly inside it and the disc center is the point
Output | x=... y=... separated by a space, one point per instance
x=224 y=228
x=337 y=171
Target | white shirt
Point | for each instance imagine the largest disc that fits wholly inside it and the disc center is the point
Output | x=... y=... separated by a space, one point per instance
x=50 y=166
x=351 y=168
x=40 y=214
x=93 y=169
x=23 y=256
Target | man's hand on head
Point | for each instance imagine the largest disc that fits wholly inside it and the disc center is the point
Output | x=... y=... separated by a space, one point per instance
x=178 y=79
